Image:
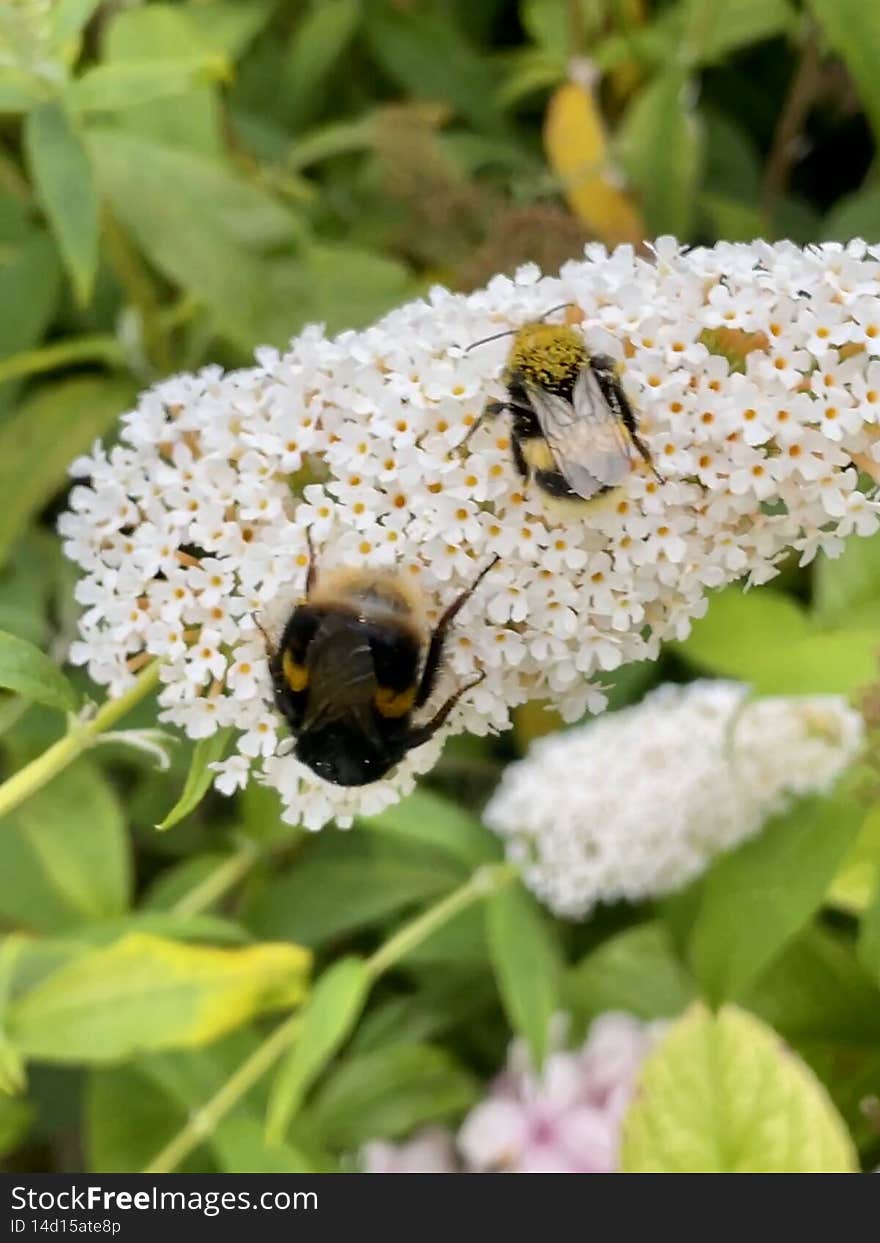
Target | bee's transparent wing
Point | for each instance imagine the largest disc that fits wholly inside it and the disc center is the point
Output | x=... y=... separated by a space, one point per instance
x=588 y=440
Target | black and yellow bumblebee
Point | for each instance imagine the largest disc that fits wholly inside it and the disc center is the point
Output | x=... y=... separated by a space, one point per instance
x=355 y=661
x=573 y=430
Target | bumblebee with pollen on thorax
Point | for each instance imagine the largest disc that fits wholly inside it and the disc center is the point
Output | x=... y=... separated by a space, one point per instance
x=573 y=430
x=355 y=661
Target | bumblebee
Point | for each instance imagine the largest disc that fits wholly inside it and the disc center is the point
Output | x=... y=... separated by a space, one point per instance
x=355 y=661
x=573 y=430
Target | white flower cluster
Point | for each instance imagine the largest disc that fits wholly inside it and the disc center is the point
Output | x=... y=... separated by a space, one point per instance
x=636 y=804
x=193 y=529
x=566 y=1120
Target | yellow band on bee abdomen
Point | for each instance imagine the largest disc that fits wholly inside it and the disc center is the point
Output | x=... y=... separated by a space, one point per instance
x=295 y=675
x=537 y=453
x=392 y=703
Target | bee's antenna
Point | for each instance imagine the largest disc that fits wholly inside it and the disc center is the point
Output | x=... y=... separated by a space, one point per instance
x=562 y=307
x=508 y=332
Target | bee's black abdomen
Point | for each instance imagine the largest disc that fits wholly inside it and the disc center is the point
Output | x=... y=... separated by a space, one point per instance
x=554 y=484
x=396 y=654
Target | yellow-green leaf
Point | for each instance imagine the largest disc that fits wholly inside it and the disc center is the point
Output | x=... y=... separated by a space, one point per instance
x=205 y=753
x=577 y=150
x=722 y=1094
x=526 y=964
x=38 y=443
x=852 y=27
x=31 y=674
x=128 y=84
x=859 y=873
x=661 y=149
x=65 y=186
x=147 y=993
x=333 y=1009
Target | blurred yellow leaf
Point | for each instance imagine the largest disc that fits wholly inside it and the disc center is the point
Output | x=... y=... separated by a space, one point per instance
x=147 y=993
x=577 y=150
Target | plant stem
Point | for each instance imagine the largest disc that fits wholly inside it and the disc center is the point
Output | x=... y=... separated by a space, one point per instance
x=79 y=738
x=806 y=86
x=217 y=883
x=485 y=881
x=203 y=1121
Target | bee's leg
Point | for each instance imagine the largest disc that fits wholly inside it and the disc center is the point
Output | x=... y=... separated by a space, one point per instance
x=422 y=733
x=491 y=410
x=438 y=638
x=312 y=573
x=270 y=648
x=628 y=415
x=646 y=455
x=519 y=459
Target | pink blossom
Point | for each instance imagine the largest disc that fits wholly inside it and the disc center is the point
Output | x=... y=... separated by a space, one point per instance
x=567 y=1119
x=429 y=1151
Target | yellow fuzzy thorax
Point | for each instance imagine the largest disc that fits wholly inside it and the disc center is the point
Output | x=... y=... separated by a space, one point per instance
x=547 y=354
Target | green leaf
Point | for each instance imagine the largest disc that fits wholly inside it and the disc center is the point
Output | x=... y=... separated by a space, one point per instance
x=723 y=1095
x=526 y=964
x=228 y=26
x=439 y=823
x=852 y=29
x=388 y=1093
x=30 y=280
x=238 y=262
x=65 y=185
x=755 y=899
x=241 y=1148
x=15 y=1119
x=129 y=84
x=319 y=39
x=327 y=1021
x=854 y=215
x=163 y=32
x=132 y=1111
x=816 y=991
x=147 y=993
x=20 y=91
x=660 y=146
x=37 y=445
x=711 y=31
x=636 y=971
x=67 y=18
x=370 y=877
x=766 y=639
x=859 y=872
x=428 y=56
x=869 y=937
x=31 y=674
x=64 y=853
x=206 y=752
x=846 y=590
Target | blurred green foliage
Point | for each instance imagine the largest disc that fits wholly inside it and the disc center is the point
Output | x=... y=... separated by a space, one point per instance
x=180 y=182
